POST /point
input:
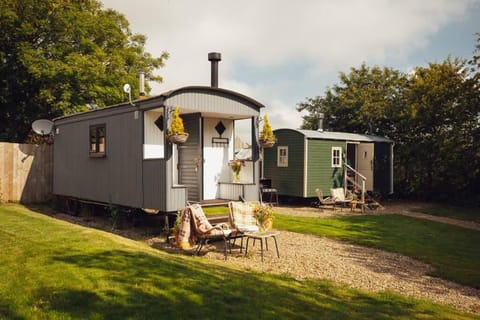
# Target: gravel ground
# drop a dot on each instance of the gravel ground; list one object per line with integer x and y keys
{"x": 307, "y": 256}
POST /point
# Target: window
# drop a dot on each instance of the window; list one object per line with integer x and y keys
{"x": 97, "y": 140}
{"x": 336, "y": 157}
{"x": 282, "y": 156}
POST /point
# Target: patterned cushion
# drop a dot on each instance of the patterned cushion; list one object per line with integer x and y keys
{"x": 242, "y": 217}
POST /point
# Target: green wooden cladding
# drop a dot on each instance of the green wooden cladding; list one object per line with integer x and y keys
{"x": 294, "y": 180}
{"x": 303, "y": 176}
{"x": 287, "y": 180}
{"x": 320, "y": 173}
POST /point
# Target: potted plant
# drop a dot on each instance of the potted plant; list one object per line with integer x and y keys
{"x": 267, "y": 137}
{"x": 176, "y": 227}
{"x": 176, "y": 133}
{"x": 236, "y": 166}
{"x": 264, "y": 215}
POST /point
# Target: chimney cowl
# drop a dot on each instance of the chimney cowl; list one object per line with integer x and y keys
{"x": 214, "y": 58}
{"x": 321, "y": 116}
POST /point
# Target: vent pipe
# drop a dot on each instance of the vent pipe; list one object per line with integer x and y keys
{"x": 141, "y": 79}
{"x": 214, "y": 58}
{"x": 321, "y": 116}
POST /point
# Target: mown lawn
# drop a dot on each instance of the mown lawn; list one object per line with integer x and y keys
{"x": 55, "y": 270}
{"x": 454, "y": 252}
{"x": 463, "y": 213}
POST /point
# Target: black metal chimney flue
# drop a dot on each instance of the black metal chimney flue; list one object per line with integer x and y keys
{"x": 214, "y": 58}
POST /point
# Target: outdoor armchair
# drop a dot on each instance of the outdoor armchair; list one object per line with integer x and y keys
{"x": 324, "y": 201}
{"x": 195, "y": 228}
{"x": 338, "y": 194}
{"x": 241, "y": 220}
{"x": 241, "y": 217}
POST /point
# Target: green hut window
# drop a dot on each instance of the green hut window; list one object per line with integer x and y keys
{"x": 282, "y": 156}
{"x": 336, "y": 157}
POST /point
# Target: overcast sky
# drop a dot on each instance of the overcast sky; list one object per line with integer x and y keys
{"x": 281, "y": 52}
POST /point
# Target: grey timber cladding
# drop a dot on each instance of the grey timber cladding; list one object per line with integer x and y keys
{"x": 115, "y": 178}
{"x": 154, "y": 184}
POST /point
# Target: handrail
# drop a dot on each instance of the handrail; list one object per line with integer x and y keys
{"x": 347, "y": 178}
{"x": 355, "y": 171}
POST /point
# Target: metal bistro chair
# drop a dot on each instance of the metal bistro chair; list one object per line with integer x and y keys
{"x": 266, "y": 189}
{"x": 324, "y": 201}
{"x": 342, "y": 199}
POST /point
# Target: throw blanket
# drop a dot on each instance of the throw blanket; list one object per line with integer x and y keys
{"x": 195, "y": 224}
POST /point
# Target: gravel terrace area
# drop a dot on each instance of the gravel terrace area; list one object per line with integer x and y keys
{"x": 307, "y": 256}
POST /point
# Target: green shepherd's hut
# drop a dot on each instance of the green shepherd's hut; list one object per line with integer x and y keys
{"x": 303, "y": 160}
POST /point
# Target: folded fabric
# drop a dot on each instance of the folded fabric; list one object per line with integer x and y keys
{"x": 196, "y": 225}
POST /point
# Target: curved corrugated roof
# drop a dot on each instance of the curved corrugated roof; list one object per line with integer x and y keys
{"x": 206, "y": 89}
{"x": 161, "y": 97}
{"x": 332, "y": 135}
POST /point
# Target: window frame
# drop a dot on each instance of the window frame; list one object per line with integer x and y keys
{"x": 282, "y": 160}
{"x": 96, "y": 129}
{"x": 336, "y": 157}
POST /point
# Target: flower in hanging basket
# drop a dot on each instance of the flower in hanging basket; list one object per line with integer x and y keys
{"x": 176, "y": 133}
{"x": 267, "y": 137}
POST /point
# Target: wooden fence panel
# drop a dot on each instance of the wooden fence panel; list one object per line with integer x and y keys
{"x": 26, "y": 172}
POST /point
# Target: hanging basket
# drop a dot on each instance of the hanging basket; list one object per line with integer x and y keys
{"x": 178, "y": 138}
{"x": 266, "y": 143}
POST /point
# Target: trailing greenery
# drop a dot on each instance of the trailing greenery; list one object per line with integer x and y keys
{"x": 55, "y": 270}
{"x": 57, "y": 56}
{"x": 453, "y": 251}
{"x": 432, "y": 114}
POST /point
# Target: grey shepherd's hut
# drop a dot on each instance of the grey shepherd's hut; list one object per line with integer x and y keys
{"x": 120, "y": 154}
{"x": 303, "y": 160}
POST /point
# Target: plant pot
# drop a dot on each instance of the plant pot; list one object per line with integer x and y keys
{"x": 178, "y": 138}
{"x": 266, "y": 143}
{"x": 266, "y": 225}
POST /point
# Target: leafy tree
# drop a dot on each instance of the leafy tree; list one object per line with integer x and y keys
{"x": 431, "y": 114}
{"x": 57, "y": 56}
{"x": 442, "y": 114}
{"x": 367, "y": 100}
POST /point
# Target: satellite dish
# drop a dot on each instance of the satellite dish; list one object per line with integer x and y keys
{"x": 128, "y": 90}
{"x": 42, "y": 126}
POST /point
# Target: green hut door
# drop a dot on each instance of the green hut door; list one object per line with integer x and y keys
{"x": 365, "y": 153}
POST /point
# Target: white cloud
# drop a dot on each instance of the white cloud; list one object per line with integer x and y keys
{"x": 329, "y": 36}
